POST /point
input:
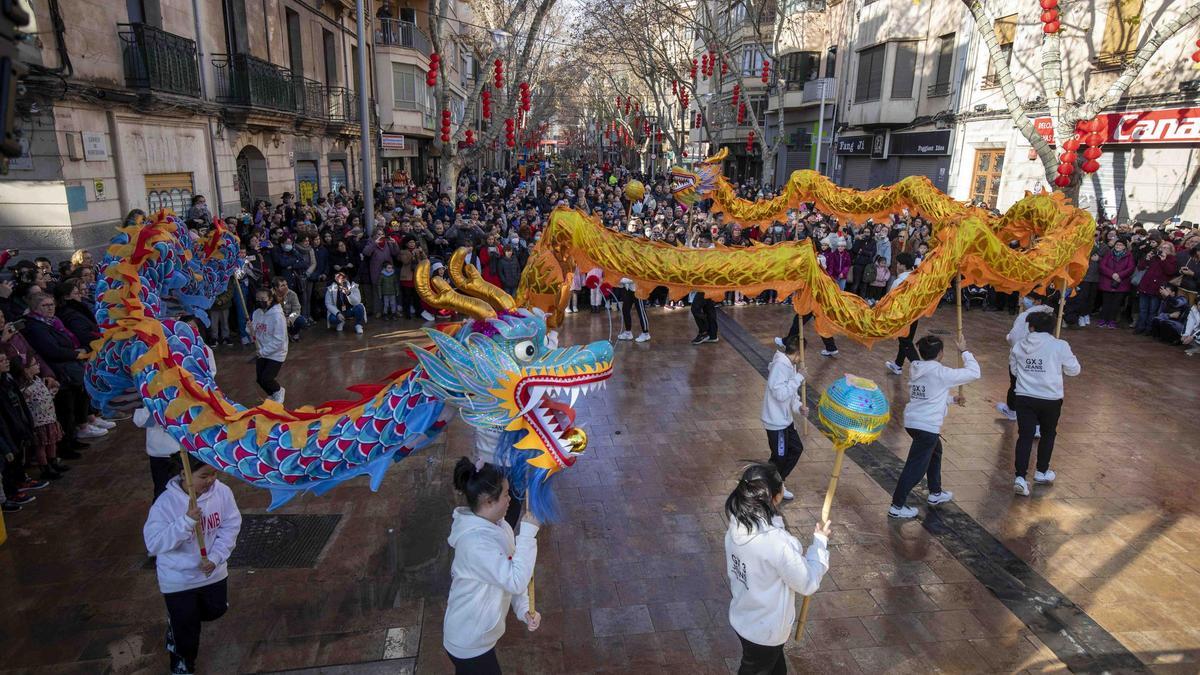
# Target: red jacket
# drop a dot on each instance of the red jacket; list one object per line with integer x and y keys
{"x": 1158, "y": 272}
{"x": 1122, "y": 267}
{"x": 837, "y": 263}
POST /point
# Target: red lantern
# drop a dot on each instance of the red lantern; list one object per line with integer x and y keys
{"x": 684, "y": 99}
{"x": 699, "y": 121}
{"x": 1067, "y": 157}
{"x": 431, "y": 76}
{"x": 1196, "y": 56}
{"x": 1051, "y": 28}
{"x": 1091, "y": 166}
{"x": 703, "y": 64}
{"x": 1092, "y": 153}
{"x": 693, "y": 70}
{"x": 766, "y": 72}
{"x": 1093, "y": 139}
{"x": 1071, "y": 144}
{"x": 470, "y": 137}
{"x": 1062, "y": 181}
{"x": 750, "y": 142}
{"x": 724, "y": 68}
{"x": 486, "y": 99}
{"x": 658, "y": 136}
{"x": 1049, "y": 4}
{"x": 499, "y": 73}
{"x": 1049, "y": 16}
{"x": 741, "y": 116}
{"x": 1065, "y": 169}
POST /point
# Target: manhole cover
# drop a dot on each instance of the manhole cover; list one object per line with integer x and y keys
{"x": 938, "y": 331}
{"x": 280, "y": 541}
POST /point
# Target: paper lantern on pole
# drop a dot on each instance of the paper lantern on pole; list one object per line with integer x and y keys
{"x": 432, "y": 75}
{"x": 766, "y": 71}
{"x": 635, "y": 190}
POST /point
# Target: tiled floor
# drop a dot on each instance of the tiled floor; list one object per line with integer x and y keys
{"x": 633, "y": 580}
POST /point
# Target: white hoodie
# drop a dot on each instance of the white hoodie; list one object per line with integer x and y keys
{"x": 270, "y": 333}
{"x": 1039, "y": 362}
{"x": 171, "y": 536}
{"x": 353, "y": 295}
{"x": 158, "y": 442}
{"x": 490, "y": 572}
{"x": 929, "y": 385}
{"x": 1021, "y": 324}
{"x": 782, "y": 397}
{"x": 766, "y": 569}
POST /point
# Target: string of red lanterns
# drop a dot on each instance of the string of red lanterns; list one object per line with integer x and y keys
{"x": 431, "y": 77}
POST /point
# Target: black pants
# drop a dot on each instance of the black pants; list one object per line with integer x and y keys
{"x": 1010, "y": 398}
{"x": 1111, "y": 304}
{"x": 628, "y": 302}
{"x": 515, "y": 506}
{"x": 1032, "y": 412}
{"x": 14, "y": 473}
{"x": 1088, "y": 293}
{"x": 704, "y": 311}
{"x": 786, "y": 447}
{"x": 484, "y": 664}
{"x": 410, "y": 301}
{"x": 761, "y": 659}
{"x": 829, "y": 343}
{"x": 906, "y": 349}
{"x": 265, "y": 372}
{"x": 924, "y": 459}
{"x": 71, "y": 409}
{"x": 186, "y": 610}
{"x": 161, "y": 472}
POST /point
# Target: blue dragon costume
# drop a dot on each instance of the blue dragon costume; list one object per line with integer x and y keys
{"x": 500, "y": 368}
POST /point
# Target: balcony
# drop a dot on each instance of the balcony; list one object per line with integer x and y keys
{"x": 938, "y": 89}
{"x": 311, "y": 98}
{"x": 244, "y": 80}
{"x": 343, "y": 106}
{"x": 990, "y": 81}
{"x": 801, "y": 93}
{"x": 156, "y": 60}
{"x": 815, "y": 90}
{"x": 397, "y": 33}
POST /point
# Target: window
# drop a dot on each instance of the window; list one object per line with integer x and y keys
{"x": 295, "y": 50}
{"x": 405, "y": 93}
{"x": 169, "y": 191}
{"x": 408, "y": 14}
{"x": 752, "y": 60}
{"x": 869, "y": 86}
{"x": 737, "y": 14}
{"x": 799, "y": 67}
{"x": 905, "y": 70}
{"x": 1006, "y": 34}
{"x": 1121, "y": 29}
{"x": 985, "y": 181}
{"x": 945, "y": 62}
{"x": 331, "y": 77}
{"x": 831, "y": 61}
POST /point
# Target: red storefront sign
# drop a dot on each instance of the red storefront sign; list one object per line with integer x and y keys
{"x": 1172, "y": 125}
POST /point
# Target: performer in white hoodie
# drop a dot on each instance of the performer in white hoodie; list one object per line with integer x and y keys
{"x": 929, "y": 386}
{"x": 490, "y": 572}
{"x": 1034, "y": 303}
{"x": 780, "y": 401}
{"x": 268, "y": 329}
{"x": 767, "y": 567}
{"x": 193, "y": 587}
{"x": 1039, "y": 360}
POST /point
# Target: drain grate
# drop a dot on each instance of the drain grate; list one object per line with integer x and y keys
{"x": 279, "y": 541}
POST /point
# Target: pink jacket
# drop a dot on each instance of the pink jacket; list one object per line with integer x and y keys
{"x": 837, "y": 263}
{"x": 1122, "y": 267}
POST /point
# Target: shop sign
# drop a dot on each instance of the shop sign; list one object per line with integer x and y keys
{"x": 854, "y": 145}
{"x": 94, "y": 147}
{"x": 925, "y": 143}
{"x": 393, "y": 141}
{"x": 1167, "y": 126}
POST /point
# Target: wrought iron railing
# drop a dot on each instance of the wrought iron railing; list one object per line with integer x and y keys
{"x": 159, "y": 61}
{"x": 242, "y": 79}
{"x": 311, "y": 97}
{"x": 343, "y": 105}
{"x": 815, "y": 89}
{"x": 397, "y": 33}
{"x": 939, "y": 89}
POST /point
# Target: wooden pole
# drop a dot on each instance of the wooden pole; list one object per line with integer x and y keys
{"x": 531, "y": 596}
{"x": 237, "y": 284}
{"x": 1062, "y": 304}
{"x": 958, "y": 307}
{"x": 833, "y": 483}
{"x": 187, "y": 480}
{"x": 804, "y": 384}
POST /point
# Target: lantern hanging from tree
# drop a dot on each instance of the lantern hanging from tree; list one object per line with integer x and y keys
{"x": 499, "y": 74}
{"x": 432, "y": 75}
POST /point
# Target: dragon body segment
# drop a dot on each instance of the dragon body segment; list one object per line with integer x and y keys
{"x": 503, "y": 371}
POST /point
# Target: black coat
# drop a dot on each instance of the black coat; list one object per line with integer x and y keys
{"x": 78, "y": 319}
{"x": 57, "y": 349}
{"x": 16, "y": 429}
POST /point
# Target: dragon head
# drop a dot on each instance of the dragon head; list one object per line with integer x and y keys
{"x": 688, "y": 187}
{"x": 505, "y": 371}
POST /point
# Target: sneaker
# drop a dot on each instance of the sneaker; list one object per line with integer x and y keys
{"x": 32, "y": 484}
{"x": 712, "y": 338}
{"x": 1045, "y": 478}
{"x": 699, "y": 339}
{"x": 624, "y": 335}
{"x": 902, "y": 512}
{"x": 644, "y": 337}
{"x": 102, "y": 423}
{"x": 1037, "y": 431}
{"x": 427, "y": 316}
{"x": 896, "y": 370}
{"x": 89, "y": 431}
{"x": 10, "y": 507}
{"x": 942, "y": 497}
{"x": 787, "y": 495}
{"x": 1192, "y": 351}
{"x": 245, "y": 340}
{"x": 358, "y": 329}
{"x": 341, "y": 326}
{"x": 22, "y": 499}
{"x": 780, "y": 343}
{"x": 1009, "y": 413}
{"x": 278, "y": 396}
{"x": 1021, "y": 487}
{"x": 58, "y": 465}
{"x": 826, "y": 352}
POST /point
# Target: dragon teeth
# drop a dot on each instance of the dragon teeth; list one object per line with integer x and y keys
{"x": 574, "y": 396}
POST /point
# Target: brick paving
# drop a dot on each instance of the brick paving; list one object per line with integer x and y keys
{"x": 633, "y": 580}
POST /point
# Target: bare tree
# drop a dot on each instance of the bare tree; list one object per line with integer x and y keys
{"x": 1066, "y": 114}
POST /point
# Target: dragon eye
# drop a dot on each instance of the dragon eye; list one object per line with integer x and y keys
{"x": 524, "y": 350}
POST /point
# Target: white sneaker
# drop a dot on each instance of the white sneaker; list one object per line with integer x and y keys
{"x": 779, "y": 343}
{"x": 1021, "y": 487}
{"x": 245, "y": 340}
{"x": 1045, "y": 478}
{"x": 825, "y": 352}
{"x": 902, "y": 512}
{"x": 787, "y": 495}
{"x": 341, "y": 326}
{"x": 896, "y": 370}
{"x": 624, "y": 335}
{"x": 278, "y": 396}
{"x": 940, "y": 497}
{"x": 1037, "y": 431}
{"x": 358, "y": 329}
{"x": 644, "y": 337}
{"x": 1008, "y": 413}
{"x": 427, "y": 316}
{"x": 89, "y": 431}
{"x": 102, "y": 423}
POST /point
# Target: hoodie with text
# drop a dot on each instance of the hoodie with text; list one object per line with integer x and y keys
{"x": 490, "y": 573}
{"x": 1039, "y": 362}
{"x": 171, "y": 535}
{"x": 929, "y": 385}
{"x": 767, "y": 568}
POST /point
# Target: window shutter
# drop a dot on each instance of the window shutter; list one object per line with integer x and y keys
{"x": 1121, "y": 29}
{"x": 905, "y": 70}
{"x": 945, "y": 58}
{"x": 876, "y": 81}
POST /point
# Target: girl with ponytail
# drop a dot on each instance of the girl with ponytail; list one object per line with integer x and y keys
{"x": 767, "y": 567}
{"x": 490, "y": 572}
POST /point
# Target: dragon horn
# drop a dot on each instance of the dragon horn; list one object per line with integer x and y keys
{"x": 437, "y": 293}
{"x": 468, "y": 279}
{"x": 719, "y": 157}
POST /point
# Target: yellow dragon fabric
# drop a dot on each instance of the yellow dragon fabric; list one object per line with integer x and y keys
{"x": 967, "y": 241}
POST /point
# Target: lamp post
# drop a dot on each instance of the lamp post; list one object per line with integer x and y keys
{"x": 364, "y": 122}
{"x": 653, "y": 120}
